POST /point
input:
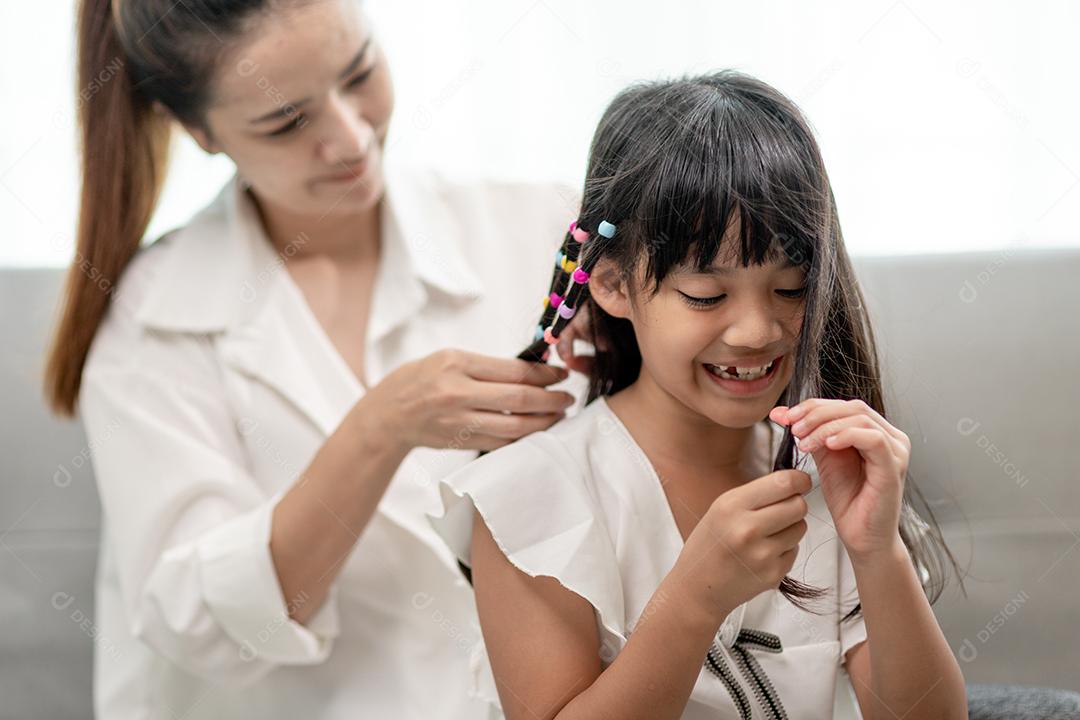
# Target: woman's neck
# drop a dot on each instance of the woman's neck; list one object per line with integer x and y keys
{"x": 343, "y": 238}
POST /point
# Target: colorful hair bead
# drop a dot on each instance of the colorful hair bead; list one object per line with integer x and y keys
{"x": 573, "y": 226}
{"x": 539, "y": 332}
{"x": 559, "y": 257}
{"x": 580, "y": 277}
{"x": 556, "y": 299}
{"x": 606, "y": 229}
{"x": 568, "y": 265}
{"x": 580, "y": 235}
{"x": 566, "y": 311}
{"x": 549, "y": 337}
{"x": 547, "y": 301}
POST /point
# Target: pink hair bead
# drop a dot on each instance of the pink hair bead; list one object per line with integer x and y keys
{"x": 549, "y": 338}
{"x": 566, "y": 312}
{"x": 579, "y": 235}
{"x": 573, "y": 225}
{"x": 556, "y": 299}
{"x": 580, "y": 276}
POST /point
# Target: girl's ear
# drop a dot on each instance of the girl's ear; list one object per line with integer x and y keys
{"x": 608, "y": 290}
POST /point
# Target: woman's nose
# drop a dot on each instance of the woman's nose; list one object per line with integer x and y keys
{"x": 344, "y": 136}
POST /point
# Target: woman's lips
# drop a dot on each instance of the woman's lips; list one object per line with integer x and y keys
{"x": 354, "y": 173}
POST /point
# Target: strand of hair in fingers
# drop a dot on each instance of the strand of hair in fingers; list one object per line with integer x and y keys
{"x": 569, "y": 287}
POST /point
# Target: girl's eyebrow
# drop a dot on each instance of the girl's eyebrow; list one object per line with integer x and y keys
{"x": 289, "y": 108}
{"x": 721, "y": 271}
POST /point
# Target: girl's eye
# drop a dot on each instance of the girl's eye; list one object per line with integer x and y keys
{"x": 794, "y": 294}
{"x": 701, "y": 302}
{"x": 298, "y": 121}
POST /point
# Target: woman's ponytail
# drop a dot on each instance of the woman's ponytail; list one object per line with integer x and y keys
{"x": 124, "y": 145}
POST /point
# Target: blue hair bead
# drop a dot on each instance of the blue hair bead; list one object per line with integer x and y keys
{"x": 606, "y": 229}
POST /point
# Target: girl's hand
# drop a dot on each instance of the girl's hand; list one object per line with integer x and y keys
{"x": 744, "y": 544}
{"x": 862, "y": 461}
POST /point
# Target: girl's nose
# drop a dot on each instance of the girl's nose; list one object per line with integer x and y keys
{"x": 344, "y": 136}
{"x": 753, "y": 326}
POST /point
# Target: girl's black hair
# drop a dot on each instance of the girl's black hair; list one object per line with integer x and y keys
{"x": 673, "y": 163}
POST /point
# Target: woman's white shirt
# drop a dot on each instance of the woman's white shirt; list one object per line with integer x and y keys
{"x": 209, "y": 388}
{"x": 581, "y": 502}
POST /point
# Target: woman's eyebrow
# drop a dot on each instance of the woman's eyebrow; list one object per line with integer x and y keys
{"x": 289, "y": 108}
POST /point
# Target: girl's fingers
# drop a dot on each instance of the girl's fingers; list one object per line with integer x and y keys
{"x": 774, "y": 518}
{"x": 871, "y": 443}
{"x": 820, "y": 410}
{"x": 790, "y": 536}
{"x": 817, "y": 438}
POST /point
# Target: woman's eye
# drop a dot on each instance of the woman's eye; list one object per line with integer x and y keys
{"x": 297, "y": 121}
{"x": 701, "y": 302}
{"x": 358, "y": 80}
{"x": 794, "y": 294}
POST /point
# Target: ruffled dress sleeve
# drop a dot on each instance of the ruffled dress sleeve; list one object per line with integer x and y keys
{"x": 537, "y": 502}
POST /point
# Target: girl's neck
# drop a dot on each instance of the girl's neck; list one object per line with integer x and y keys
{"x": 680, "y": 442}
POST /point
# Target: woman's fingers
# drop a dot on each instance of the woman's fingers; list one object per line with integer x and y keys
{"x": 504, "y": 370}
{"x": 565, "y": 349}
{"x": 501, "y": 428}
{"x": 514, "y": 398}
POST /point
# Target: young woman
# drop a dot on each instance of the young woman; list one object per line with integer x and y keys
{"x": 271, "y": 391}
{"x": 666, "y": 553}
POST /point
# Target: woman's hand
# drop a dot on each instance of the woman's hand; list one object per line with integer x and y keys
{"x": 463, "y": 400}
{"x": 862, "y": 461}
{"x": 579, "y": 329}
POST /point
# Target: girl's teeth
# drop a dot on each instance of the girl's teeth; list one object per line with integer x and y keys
{"x": 742, "y": 373}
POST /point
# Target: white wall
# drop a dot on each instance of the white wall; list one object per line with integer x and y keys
{"x": 945, "y": 126}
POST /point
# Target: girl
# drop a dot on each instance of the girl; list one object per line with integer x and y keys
{"x": 270, "y": 392}
{"x": 670, "y": 551}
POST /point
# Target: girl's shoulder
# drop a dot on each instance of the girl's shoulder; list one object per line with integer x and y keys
{"x": 537, "y": 498}
{"x": 549, "y": 464}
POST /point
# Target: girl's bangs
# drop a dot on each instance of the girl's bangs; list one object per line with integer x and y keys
{"x": 730, "y": 190}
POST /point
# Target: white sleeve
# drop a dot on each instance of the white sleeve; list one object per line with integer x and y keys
{"x": 853, "y": 630}
{"x": 188, "y": 525}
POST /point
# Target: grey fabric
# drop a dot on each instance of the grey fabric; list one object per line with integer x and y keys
{"x": 1000, "y": 702}
{"x": 980, "y": 353}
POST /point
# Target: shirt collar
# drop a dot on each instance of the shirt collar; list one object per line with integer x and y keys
{"x": 217, "y": 266}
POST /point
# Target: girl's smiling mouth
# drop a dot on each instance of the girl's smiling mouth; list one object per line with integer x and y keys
{"x": 744, "y": 380}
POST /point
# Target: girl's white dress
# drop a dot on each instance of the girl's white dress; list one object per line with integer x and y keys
{"x": 581, "y": 502}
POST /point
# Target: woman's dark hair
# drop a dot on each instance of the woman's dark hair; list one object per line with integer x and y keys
{"x": 672, "y": 165}
{"x": 141, "y": 63}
